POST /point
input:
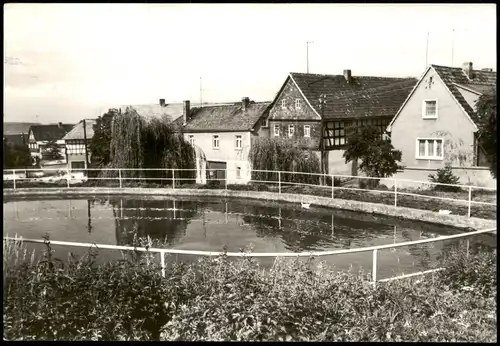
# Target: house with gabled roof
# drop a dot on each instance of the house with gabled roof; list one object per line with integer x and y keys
{"x": 77, "y": 143}
{"x": 224, "y": 133}
{"x": 40, "y": 135}
{"x": 318, "y": 111}
{"x": 437, "y": 123}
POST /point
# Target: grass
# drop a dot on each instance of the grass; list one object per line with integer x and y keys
{"x": 221, "y": 299}
{"x": 377, "y": 195}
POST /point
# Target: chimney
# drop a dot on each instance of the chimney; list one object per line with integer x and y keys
{"x": 186, "y": 111}
{"x": 162, "y": 102}
{"x": 59, "y": 125}
{"x": 347, "y": 75}
{"x": 245, "y": 101}
{"x": 467, "y": 68}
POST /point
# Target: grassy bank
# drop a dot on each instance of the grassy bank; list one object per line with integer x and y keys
{"x": 218, "y": 299}
{"x": 377, "y": 195}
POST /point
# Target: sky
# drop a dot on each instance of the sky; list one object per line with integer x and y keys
{"x": 66, "y": 62}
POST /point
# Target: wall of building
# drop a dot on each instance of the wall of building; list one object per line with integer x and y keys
{"x": 227, "y": 152}
{"x": 75, "y": 158}
{"x": 452, "y": 125}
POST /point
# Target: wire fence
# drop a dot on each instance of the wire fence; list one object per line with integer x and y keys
{"x": 449, "y": 198}
{"x": 374, "y": 250}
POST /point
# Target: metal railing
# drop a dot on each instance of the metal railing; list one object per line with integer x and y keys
{"x": 177, "y": 177}
{"x": 373, "y": 249}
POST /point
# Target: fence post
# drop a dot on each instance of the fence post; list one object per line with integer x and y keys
{"x": 374, "y": 267}
{"x": 120, "y": 177}
{"x": 162, "y": 254}
{"x": 395, "y": 193}
{"x": 69, "y": 176}
{"x": 333, "y": 178}
{"x": 279, "y": 182}
{"x": 14, "y": 177}
{"x": 467, "y": 247}
{"x": 173, "y": 178}
{"x": 470, "y": 201}
{"x": 225, "y": 180}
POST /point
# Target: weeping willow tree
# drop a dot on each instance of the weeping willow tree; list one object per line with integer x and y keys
{"x": 137, "y": 142}
{"x": 283, "y": 155}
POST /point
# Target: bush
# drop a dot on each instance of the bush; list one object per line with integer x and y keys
{"x": 213, "y": 184}
{"x": 222, "y": 299}
{"x": 445, "y": 176}
{"x": 368, "y": 184}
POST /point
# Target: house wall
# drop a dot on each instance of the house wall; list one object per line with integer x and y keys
{"x": 75, "y": 158}
{"x": 452, "y": 125}
{"x": 311, "y": 142}
{"x": 470, "y": 97}
{"x": 227, "y": 152}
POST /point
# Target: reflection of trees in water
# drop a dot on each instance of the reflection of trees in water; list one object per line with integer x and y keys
{"x": 137, "y": 217}
{"x": 309, "y": 231}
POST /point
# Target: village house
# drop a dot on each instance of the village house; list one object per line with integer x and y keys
{"x": 318, "y": 111}
{"x": 224, "y": 133}
{"x": 16, "y": 133}
{"x": 437, "y": 124}
{"x": 77, "y": 143}
{"x": 40, "y": 135}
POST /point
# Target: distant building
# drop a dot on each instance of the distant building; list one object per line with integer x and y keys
{"x": 40, "y": 135}
{"x": 224, "y": 133}
{"x": 318, "y": 111}
{"x": 438, "y": 123}
{"x": 75, "y": 140}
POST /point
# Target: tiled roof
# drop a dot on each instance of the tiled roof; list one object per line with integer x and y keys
{"x": 481, "y": 80}
{"x": 169, "y": 112}
{"x": 77, "y": 131}
{"x": 225, "y": 118}
{"x": 361, "y": 97}
{"x": 52, "y": 132}
{"x": 14, "y": 128}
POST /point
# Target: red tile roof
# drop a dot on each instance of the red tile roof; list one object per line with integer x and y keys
{"x": 224, "y": 118}
{"x": 361, "y": 97}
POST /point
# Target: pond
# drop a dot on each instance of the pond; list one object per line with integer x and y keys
{"x": 210, "y": 224}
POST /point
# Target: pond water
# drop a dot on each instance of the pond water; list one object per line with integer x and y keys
{"x": 212, "y": 224}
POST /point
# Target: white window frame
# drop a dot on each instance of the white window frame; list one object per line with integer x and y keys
{"x": 283, "y": 104}
{"x": 215, "y": 140}
{"x": 307, "y": 130}
{"x": 238, "y": 138}
{"x": 297, "y": 104}
{"x": 427, "y": 156}
{"x": 191, "y": 139}
{"x": 424, "y": 109}
{"x": 276, "y": 129}
{"x": 291, "y": 130}
{"x": 265, "y": 122}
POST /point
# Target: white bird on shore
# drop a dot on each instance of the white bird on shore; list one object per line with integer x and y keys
{"x": 305, "y": 205}
{"x": 444, "y": 212}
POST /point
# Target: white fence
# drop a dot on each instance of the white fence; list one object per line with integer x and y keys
{"x": 177, "y": 177}
{"x": 373, "y": 249}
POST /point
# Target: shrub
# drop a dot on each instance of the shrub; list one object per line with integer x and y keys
{"x": 445, "y": 176}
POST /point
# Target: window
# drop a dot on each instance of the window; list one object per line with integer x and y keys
{"x": 276, "y": 130}
{"x": 334, "y": 134}
{"x": 78, "y": 165}
{"x": 238, "y": 172}
{"x": 307, "y": 130}
{"x": 215, "y": 141}
{"x": 265, "y": 122}
{"x": 283, "y": 104}
{"x": 430, "y": 149}
{"x": 297, "y": 104}
{"x": 191, "y": 140}
{"x": 429, "y": 109}
{"x": 291, "y": 130}
{"x": 239, "y": 142}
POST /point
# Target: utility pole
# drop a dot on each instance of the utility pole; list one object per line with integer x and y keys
{"x": 307, "y": 54}
{"x": 452, "y": 45}
{"x": 427, "y": 50}
{"x": 201, "y": 94}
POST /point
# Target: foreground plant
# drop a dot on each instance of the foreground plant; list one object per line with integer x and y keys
{"x": 225, "y": 299}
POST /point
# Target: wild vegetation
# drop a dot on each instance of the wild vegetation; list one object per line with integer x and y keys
{"x": 15, "y": 156}
{"x": 52, "y": 151}
{"x": 222, "y": 299}
{"x": 283, "y": 155}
